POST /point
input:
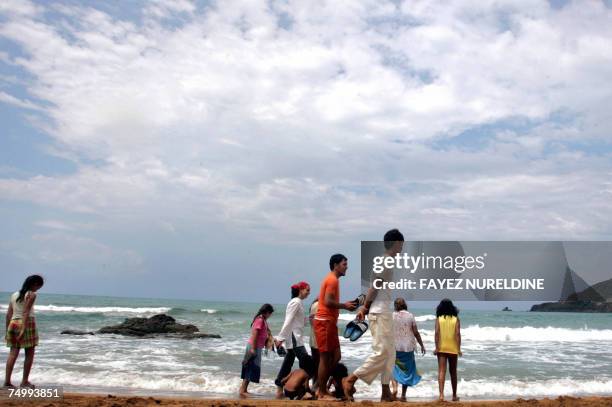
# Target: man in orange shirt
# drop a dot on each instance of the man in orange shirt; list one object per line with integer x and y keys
{"x": 326, "y": 322}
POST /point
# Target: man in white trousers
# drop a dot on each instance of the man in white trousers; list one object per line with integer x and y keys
{"x": 378, "y": 307}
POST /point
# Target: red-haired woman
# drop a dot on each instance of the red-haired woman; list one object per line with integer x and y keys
{"x": 291, "y": 335}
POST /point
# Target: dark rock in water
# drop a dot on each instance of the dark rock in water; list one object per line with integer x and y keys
{"x": 198, "y": 335}
{"x": 595, "y": 298}
{"x": 73, "y": 332}
{"x": 573, "y": 306}
{"x": 157, "y": 324}
{"x": 506, "y": 309}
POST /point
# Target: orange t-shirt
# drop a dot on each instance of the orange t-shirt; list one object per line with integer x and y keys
{"x": 330, "y": 285}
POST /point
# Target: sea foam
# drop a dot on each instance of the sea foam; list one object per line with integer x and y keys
{"x": 224, "y": 383}
{"x": 534, "y": 334}
{"x": 92, "y": 310}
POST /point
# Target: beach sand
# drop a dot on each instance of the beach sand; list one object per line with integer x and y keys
{"x": 80, "y": 400}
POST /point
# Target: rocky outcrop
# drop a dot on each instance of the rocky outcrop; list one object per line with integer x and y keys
{"x": 573, "y": 306}
{"x": 74, "y": 332}
{"x": 149, "y": 327}
{"x": 596, "y": 298}
{"x": 157, "y": 324}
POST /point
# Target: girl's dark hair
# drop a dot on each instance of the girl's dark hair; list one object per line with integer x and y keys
{"x": 446, "y": 308}
{"x": 265, "y": 309}
{"x": 295, "y": 291}
{"x": 297, "y": 287}
{"x": 30, "y": 282}
{"x": 400, "y": 304}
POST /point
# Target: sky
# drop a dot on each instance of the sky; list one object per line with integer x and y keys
{"x": 224, "y": 150}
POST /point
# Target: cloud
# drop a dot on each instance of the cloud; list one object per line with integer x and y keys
{"x": 64, "y": 248}
{"x": 12, "y": 100}
{"x": 317, "y": 121}
{"x": 53, "y": 224}
{"x": 16, "y": 8}
{"x": 162, "y": 8}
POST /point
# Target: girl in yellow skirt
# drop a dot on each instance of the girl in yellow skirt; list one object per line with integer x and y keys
{"x": 448, "y": 344}
{"x": 21, "y": 329}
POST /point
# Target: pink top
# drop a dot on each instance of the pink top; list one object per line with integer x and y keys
{"x": 262, "y": 332}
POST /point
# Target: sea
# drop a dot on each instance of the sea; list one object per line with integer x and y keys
{"x": 506, "y": 355}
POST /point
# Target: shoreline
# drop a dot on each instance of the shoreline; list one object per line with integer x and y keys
{"x": 111, "y": 400}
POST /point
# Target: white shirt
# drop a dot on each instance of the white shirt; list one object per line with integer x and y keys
{"x": 383, "y": 303}
{"x": 313, "y": 339}
{"x": 19, "y": 306}
{"x": 404, "y": 324}
{"x": 294, "y": 324}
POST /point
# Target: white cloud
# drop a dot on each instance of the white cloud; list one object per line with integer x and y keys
{"x": 53, "y": 224}
{"x": 17, "y": 8}
{"x": 324, "y": 125}
{"x": 12, "y": 100}
{"x": 64, "y": 248}
{"x": 61, "y": 247}
{"x": 162, "y": 8}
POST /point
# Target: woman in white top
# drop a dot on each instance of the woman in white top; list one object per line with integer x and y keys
{"x": 314, "y": 348}
{"x": 406, "y": 336}
{"x": 21, "y": 329}
{"x": 291, "y": 335}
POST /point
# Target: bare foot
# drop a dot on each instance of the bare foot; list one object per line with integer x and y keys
{"x": 455, "y": 398}
{"x": 326, "y": 397}
{"x": 349, "y": 389}
{"x": 403, "y": 398}
{"x": 27, "y": 385}
{"x": 8, "y": 386}
{"x": 279, "y": 393}
{"x": 387, "y": 394}
{"x": 441, "y": 398}
{"x": 245, "y": 395}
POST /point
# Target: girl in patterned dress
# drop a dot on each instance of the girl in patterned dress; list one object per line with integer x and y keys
{"x": 21, "y": 329}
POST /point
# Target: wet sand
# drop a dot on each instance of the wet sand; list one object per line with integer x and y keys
{"x": 80, "y": 400}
